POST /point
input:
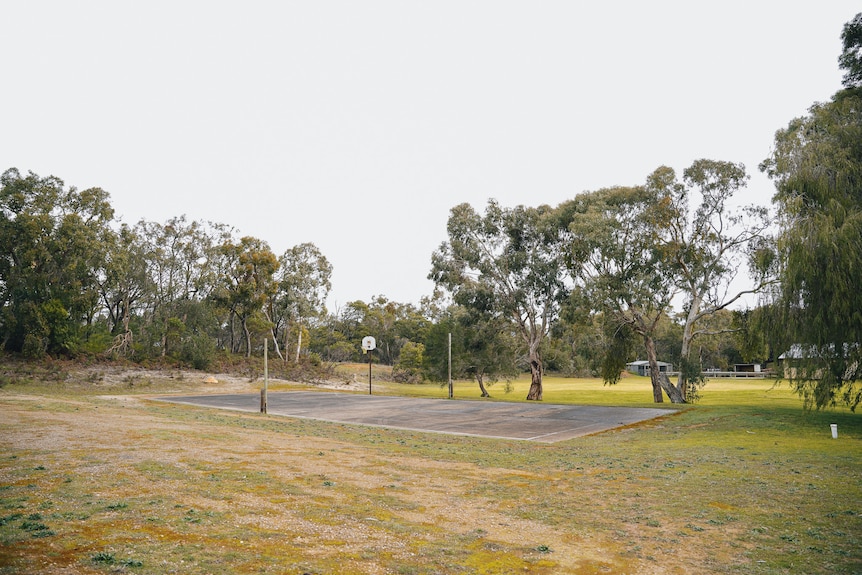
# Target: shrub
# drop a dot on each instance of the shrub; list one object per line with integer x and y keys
{"x": 198, "y": 351}
{"x": 34, "y": 347}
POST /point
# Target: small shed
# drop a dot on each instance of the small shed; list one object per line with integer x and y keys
{"x": 641, "y": 367}
{"x": 747, "y": 368}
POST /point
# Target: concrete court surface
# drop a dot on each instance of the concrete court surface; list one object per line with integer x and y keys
{"x": 541, "y": 422}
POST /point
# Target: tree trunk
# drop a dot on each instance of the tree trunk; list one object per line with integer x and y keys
{"x": 649, "y": 344}
{"x": 659, "y": 380}
{"x": 247, "y": 337}
{"x": 232, "y": 326}
{"x": 275, "y": 344}
{"x": 674, "y": 393}
{"x": 298, "y": 341}
{"x": 479, "y": 378}
{"x": 687, "y": 337}
{"x": 286, "y": 340}
{"x": 536, "y": 376}
{"x": 164, "y": 339}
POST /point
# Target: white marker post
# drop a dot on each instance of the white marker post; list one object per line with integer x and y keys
{"x": 368, "y": 345}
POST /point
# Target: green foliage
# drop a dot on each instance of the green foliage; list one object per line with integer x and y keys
{"x": 692, "y": 378}
{"x": 342, "y": 351}
{"x": 198, "y": 351}
{"x": 304, "y": 281}
{"x": 613, "y": 238}
{"x": 483, "y": 346}
{"x": 636, "y": 248}
{"x": 706, "y": 246}
{"x": 750, "y": 334}
{"x": 817, "y": 169}
{"x": 392, "y": 324}
{"x": 33, "y": 348}
{"x": 246, "y": 284}
{"x": 850, "y": 59}
{"x": 436, "y": 356}
{"x": 507, "y": 263}
{"x": 410, "y": 365}
{"x": 52, "y": 249}
{"x": 618, "y": 342}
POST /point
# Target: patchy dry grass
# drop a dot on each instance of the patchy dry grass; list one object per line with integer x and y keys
{"x": 94, "y": 478}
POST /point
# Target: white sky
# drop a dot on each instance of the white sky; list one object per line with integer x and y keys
{"x": 357, "y": 125}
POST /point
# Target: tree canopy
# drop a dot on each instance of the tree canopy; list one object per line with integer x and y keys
{"x": 52, "y": 253}
{"x": 614, "y": 247}
{"x": 510, "y": 260}
{"x": 708, "y": 246}
{"x": 850, "y": 59}
{"x": 816, "y": 165}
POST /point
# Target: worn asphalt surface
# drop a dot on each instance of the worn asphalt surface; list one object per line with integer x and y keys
{"x": 541, "y": 422}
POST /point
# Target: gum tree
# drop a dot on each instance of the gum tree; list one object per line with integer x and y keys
{"x": 707, "y": 246}
{"x": 637, "y": 248}
{"x": 303, "y": 286}
{"x": 246, "y": 284}
{"x": 178, "y": 256}
{"x": 613, "y": 247}
{"x": 52, "y": 253}
{"x": 483, "y": 346}
{"x": 514, "y": 253}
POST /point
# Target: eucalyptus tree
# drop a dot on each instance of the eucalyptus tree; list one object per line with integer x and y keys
{"x": 514, "y": 254}
{"x": 392, "y": 324}
{"x": 181, "y": 259}
{"x": 247, "y": 283}
{"x": 303, "y": 285}
{"x": 613, "y": 238}
{"x": 708, "y": 246}
{"x": 816, "y": 165}
{"x": 125, "y": 285}
{"x": 52, "y": 253}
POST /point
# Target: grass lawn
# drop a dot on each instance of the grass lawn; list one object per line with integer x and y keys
{"x": 94, "y": 478}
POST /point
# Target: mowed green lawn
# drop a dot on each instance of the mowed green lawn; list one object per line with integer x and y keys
{"x": 632, "y": 391}
{"x": 745, "y": 481}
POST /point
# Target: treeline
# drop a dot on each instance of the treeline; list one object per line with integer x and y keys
{"x": 75, "y": 281}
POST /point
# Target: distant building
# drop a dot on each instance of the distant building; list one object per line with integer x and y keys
{"x": 641, "y": 367}
{"x": 747, "y": 368}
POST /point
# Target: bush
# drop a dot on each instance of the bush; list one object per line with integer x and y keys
{"x": 198, "y": 351}
{"x": 402, "y": 375}
{"x": 409, "y": 368}
{"x": 34, "y": 347}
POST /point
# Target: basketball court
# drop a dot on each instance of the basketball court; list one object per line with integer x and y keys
{"x": 540, "y": 422}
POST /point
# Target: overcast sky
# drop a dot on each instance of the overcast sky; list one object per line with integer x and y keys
{"x": 357, "y": 125}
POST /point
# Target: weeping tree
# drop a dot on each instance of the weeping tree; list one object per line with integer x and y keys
{"x": 816, "y": 165}
{"x": 514, "y": 254}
